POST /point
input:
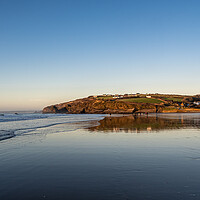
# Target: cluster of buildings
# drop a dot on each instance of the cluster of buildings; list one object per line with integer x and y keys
{"x": 185, "y": 103}
{"x": 189, "y": 104}
{"x": 117, "y": 96}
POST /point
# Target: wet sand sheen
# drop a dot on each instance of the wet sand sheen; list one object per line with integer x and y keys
{"x": 154, "y": 122}
{"x": 107, "y": 161}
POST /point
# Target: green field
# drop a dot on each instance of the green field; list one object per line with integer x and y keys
{"x": 142, "y": 100}
{"x": 174, "y": 99}
{"x": 107, "y": 97}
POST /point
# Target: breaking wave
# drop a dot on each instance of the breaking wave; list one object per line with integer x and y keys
{"x": 6, "y": 134}
{"x": 12, "y": 125}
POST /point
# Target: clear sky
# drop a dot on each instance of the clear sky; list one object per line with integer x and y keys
{"x": 52, "y": 51}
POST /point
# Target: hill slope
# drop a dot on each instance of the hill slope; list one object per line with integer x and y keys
{"x": 126, "y": 104}
{"x": 99, "y": 106}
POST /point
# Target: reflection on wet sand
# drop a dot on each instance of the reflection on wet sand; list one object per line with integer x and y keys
{"x": 144, "y": 123}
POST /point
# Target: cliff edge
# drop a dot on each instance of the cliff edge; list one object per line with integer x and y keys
{"x": 99, "y": 106}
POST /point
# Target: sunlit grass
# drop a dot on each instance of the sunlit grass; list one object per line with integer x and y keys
{"x": 107, "y": 97}
{"x": 142, "y": 100}
{"x": 174, "y": 99}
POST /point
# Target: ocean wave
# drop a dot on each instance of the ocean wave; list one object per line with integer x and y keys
{"x": 21, "y": 117}
{"x": 38, "y": 123}
{"x": 4, "y": 134}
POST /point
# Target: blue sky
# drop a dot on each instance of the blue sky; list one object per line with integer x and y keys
{"x": 55, "y": 51}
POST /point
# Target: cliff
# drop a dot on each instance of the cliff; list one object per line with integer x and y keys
{"x": 100, "y": 106}
{"x": 128, "y": 103}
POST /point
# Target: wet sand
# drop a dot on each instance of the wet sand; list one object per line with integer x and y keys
{"x": 118, "y": 158}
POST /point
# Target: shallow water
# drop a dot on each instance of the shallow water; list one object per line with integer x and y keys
{"x": 74, "y": 157}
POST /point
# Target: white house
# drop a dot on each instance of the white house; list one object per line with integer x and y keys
{"x": 148, "y": 96}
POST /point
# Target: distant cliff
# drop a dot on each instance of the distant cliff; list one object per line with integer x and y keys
{"x": 128, "y": 103}
{"x": 99, "y": 106}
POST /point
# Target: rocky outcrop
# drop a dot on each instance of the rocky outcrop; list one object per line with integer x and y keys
{"x": 98, "y": 106}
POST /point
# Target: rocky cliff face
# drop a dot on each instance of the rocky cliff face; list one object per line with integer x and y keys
{"x": 98, "y": 106}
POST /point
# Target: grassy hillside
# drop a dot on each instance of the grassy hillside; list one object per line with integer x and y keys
{"x": 174, "y": 99}
{"x": 142, "y": 100}
{"x": 127, "y": 104}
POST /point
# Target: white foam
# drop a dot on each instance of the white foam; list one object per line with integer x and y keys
{"x": 12, "y": 125}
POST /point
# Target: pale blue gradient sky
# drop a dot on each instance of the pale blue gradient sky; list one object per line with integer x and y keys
{"x": 55, "y": 51}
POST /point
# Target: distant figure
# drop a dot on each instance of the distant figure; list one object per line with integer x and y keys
{"x": 110, "y": 114}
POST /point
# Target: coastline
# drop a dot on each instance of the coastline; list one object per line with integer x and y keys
{"x": 156, "y": 103}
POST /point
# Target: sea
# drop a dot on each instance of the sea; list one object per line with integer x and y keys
{"x": 99, "y": 157}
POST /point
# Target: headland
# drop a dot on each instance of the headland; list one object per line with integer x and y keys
{"x": 128, "y": 104}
